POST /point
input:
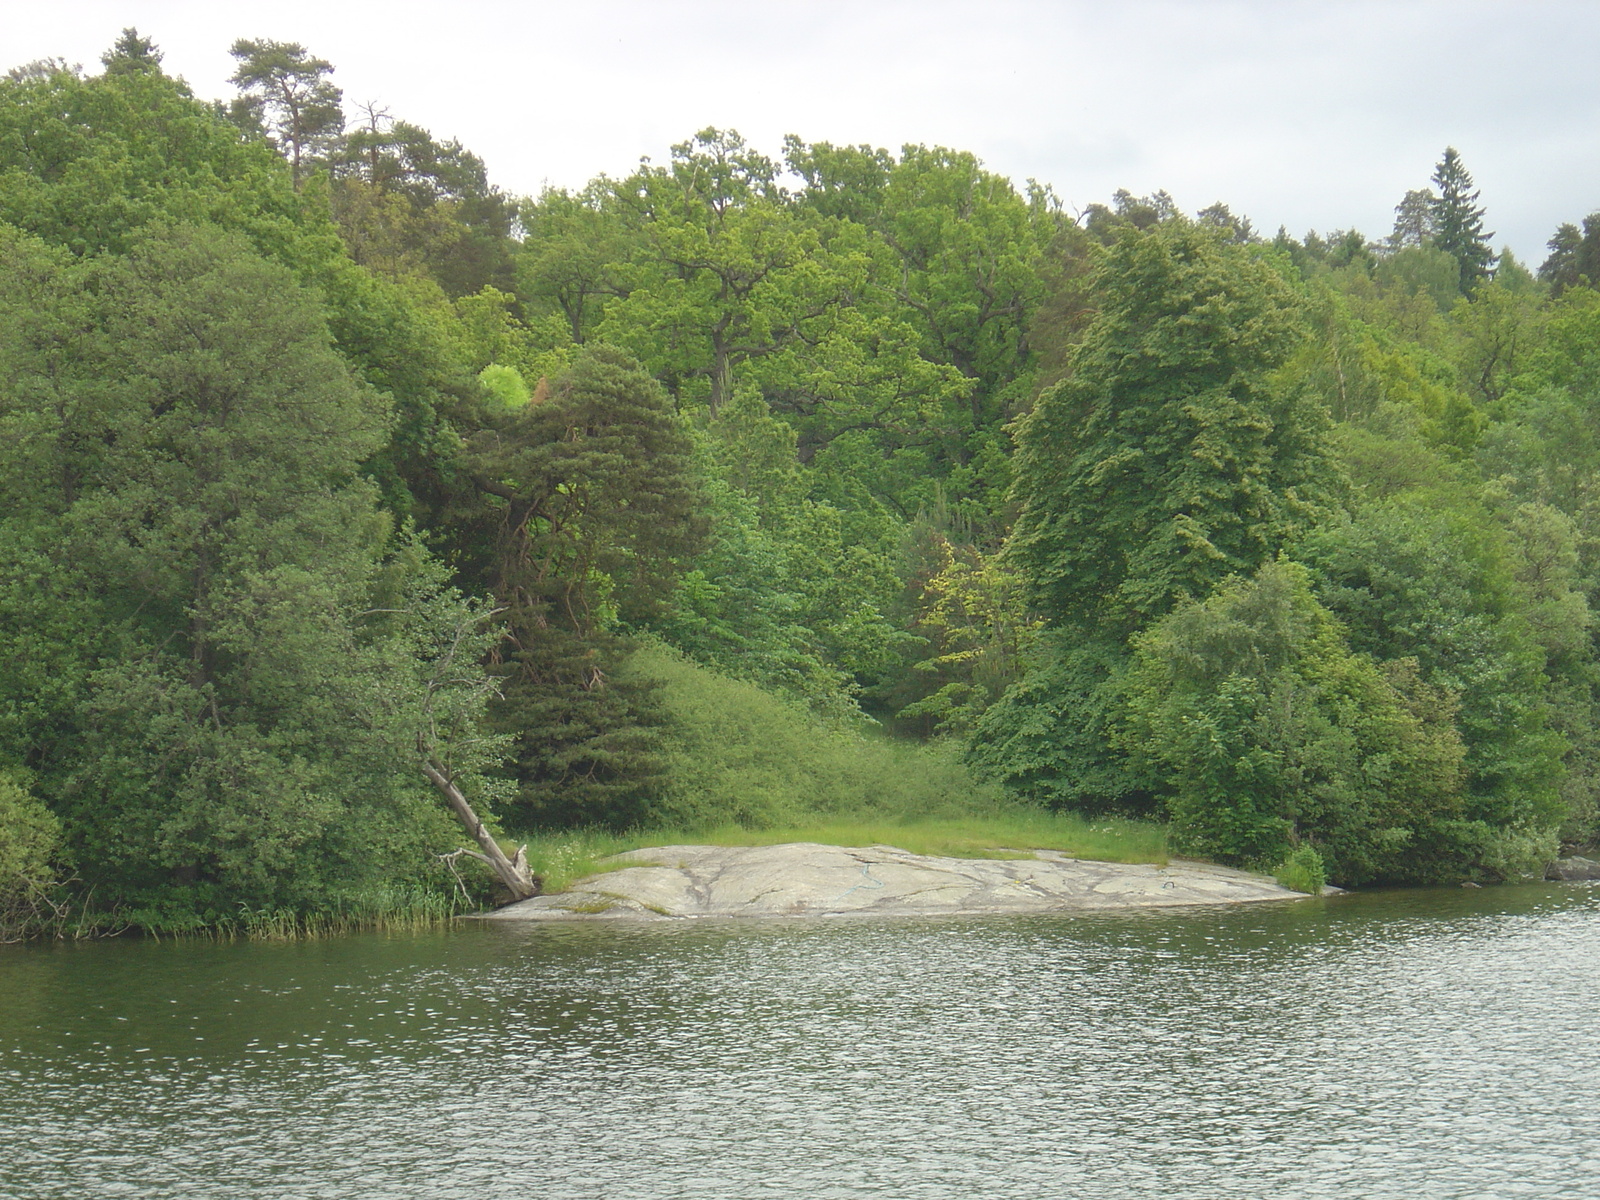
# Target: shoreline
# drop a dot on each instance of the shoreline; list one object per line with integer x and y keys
{"x": 806, "y": 879}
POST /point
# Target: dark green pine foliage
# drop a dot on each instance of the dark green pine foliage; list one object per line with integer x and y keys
{"x": 591, "y": 505}
{"x": 287, "y": 94}
{"x": 1574, "y": 256}
{"x": 1173, "y": 456}
{"x": 1458, "y": 221}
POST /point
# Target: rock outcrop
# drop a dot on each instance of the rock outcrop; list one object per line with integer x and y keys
{"x": 1574, "y": 868}
{"x": 806, "y": 880}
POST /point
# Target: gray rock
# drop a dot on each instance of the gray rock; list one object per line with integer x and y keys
{"x": 805, "y": 879}
{"x": 1574, "y": 868}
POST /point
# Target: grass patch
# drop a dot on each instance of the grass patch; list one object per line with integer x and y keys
{"x": 1303, "y": 871}
{"x": 750, "y": 768}
{"x": 995, "y": 836}
{"x": 562, "y": 858}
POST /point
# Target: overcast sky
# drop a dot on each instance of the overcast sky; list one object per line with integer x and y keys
{"x": 1307, "y": 114}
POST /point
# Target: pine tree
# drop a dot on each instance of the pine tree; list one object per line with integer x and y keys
{"x": 1574, "y": 256}
{"x": 590, "y": 499}
{"x": 1458, "y": 221}
{"x": 288, "y": 95}
{"x": 1413, "y": 220}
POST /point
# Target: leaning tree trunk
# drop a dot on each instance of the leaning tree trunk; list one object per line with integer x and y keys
{"x": 513, "y": 872}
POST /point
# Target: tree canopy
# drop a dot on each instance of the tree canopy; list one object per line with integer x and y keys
{"x": 356, "y": 516}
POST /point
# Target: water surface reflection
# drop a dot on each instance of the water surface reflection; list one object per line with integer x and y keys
{"x": 1385, "y": 1045}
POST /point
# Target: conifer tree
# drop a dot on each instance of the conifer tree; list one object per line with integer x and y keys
{"x": 287, "y": 94}
{"x": 1413, "y": 220}
{"x": 1458, "y": 221}
{"x": 130, "y": 52}
{"x": 589, "y": 504}
{"x": 1574, "y": 259}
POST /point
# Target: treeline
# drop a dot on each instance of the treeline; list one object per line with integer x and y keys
{"x": 334, "y": 479}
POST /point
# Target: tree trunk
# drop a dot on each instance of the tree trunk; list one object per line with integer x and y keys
{"x": 513, "y": 872}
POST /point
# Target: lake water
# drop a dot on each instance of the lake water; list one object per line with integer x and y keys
{"x": 1405, "y": 1044}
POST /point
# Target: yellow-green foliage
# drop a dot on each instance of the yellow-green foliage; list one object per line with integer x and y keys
{"x": 558, "y": 858}
{"x": 1303, "y": 871}
{"x": 743, "y": 756}
{"x": 1011, "y": 832}
{"x": 29, "y": 835}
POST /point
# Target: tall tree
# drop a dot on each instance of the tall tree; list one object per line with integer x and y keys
{"x": 454, "y": 221}
{"x": 1413, "y": 220}
{"x": 287, "y": 93}
{"x": 588, "y": 505}
{"x": 1574, "y": 259}
{"x": 130, "y": 52}
{"x": 1174, "y": 455}
{"x": 178, "y": 454}
{"x": 1458, "y": 221}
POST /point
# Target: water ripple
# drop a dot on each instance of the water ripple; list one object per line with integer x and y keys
{"x": 1401, "y": 1045}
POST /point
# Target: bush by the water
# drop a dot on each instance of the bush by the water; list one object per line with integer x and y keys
{"x": 1303, "y": 871}
{"x": 30, "y": 837}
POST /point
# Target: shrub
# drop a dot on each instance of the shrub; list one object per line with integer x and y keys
{"x": 1302, "y": 871}
{"x": 30, "y": 836}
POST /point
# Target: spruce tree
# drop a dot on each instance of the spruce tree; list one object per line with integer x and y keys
{"x": 1458, "y": 221}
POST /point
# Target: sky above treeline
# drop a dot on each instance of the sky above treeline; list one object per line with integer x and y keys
{"x": 1312, "y": 114}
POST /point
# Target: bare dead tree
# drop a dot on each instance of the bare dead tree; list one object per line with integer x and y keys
{"x": 455, "y": 693}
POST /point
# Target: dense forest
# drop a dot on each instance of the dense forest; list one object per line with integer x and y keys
{"x": 346, "y": 500}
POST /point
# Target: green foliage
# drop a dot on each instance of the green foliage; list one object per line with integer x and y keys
{"x": 1517, "y": 855}
{"x": 1174, "y": 455}
{"x": 231, "y": 731}
{"x": 1051, "y": 737}
{"x": 740, "y": 754}
{"x": 241, "y": 394}
{"x": 585, "y": 502}
{"x": 506, "y": 385}
{"x": 1574, "y": 259}
{"x": 288, "y": 93}
{"x": 83, "y": 162}
{"x": 30, "y": 839}
{"x": 792, "y": 591}
{"x": 1303, "y": 871}
{"x": 1424, "y": 270}
{"x": 1273, "y": 732}
{"x": 1431, "y": 576}
{"x": 971, "y": 613}
{"x": 1458, "y": 222}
